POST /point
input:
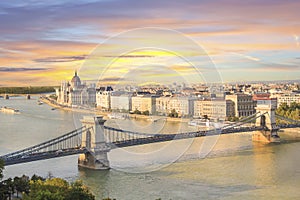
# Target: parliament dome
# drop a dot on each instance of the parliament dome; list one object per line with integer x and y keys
{"x": 75, "y": 80}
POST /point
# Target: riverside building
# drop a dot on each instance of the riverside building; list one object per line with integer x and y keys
{"x": 210, "y": 108}
{"x": 243, "y": 104}
{"x": 75, "y": 93}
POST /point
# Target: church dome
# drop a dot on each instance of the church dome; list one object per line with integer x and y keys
{"x": 75, "y": 80}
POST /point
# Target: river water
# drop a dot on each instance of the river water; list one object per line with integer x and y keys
{"x": 215, "y": 167}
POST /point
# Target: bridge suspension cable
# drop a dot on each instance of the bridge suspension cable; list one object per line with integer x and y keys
{"x": 287, "y": 119}
{"x": 61, "y": 142}
{"x": 244, "y": 121}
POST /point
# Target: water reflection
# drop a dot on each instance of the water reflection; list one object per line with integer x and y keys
{"x": 264, "y": 164}
{"x": 235, "y": 168}
{"x": 99, "y": 181}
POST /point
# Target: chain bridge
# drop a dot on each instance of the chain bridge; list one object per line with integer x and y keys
{"x": 94, "y": 140}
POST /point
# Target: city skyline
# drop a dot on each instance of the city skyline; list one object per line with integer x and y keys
{"x": 42, "y": 43}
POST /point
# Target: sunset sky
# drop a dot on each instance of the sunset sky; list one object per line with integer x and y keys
{"x": 44, "y": 42}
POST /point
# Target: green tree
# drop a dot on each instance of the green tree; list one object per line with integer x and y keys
{"x": 5, "y": 186}
{"x": 146, "y": 112}
{"x": 233, "y": 119}
{"x": 9, "y": 187}
{"x": 284, "y": 106}
{"x": 292, "y": 111}
{"x": 173, "y": 113}
{"x": 295, "y": 114}
{"x": 1, "y": 168}
{"x": 293, "y": 106}
{"x": 137, "y": 112}
{"x": 40, "y": 191}
{"x": 27, "y": 90}
{"x": 36, "y": 178}
{"x": 57, "y": 189}
{"x": 50, "y": 189}
{"x": 77, "y": 192}
{"x": 21, "y": 184}
{"x": 53, "y": 96}
{"x": 4, "y": 194}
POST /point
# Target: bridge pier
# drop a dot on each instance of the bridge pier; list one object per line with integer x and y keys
{"x": 265, "y": 136}
{"x": 267, "y": 120}
{"x": 94, "y": 141}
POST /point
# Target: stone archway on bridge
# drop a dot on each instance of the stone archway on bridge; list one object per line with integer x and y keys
{"x": 263, "y": 121}
{"x": 266, "y": 108}
{"x": 94, "y": 141}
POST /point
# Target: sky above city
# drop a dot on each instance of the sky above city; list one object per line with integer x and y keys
{"x": 122, "y": 41}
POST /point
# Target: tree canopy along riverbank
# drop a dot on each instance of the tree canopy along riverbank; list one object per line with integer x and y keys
{"x": 27, "y": 90}
{"x": 291, "y": 111}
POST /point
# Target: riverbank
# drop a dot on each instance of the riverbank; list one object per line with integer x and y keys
{"x": 290, "y": 133}
{"x": 53, "y": 104}
{"x": 155, "y": 118}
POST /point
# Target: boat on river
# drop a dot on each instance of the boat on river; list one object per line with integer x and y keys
{"x": 118, "y": 116}
{"x": 9, "y": 110}
{"x": 199, "y": 122}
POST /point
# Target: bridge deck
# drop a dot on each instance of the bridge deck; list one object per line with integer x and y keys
{"x": 67, "y": 144}
{"x": 44, "y": 156}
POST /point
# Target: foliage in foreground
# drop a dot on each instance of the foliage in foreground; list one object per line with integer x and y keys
{"x": 38, "y": 188}
{"x": 57, "y": 189}
{"x": 1, "y": 168}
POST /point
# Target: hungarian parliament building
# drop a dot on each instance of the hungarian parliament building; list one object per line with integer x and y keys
{"x": 75, "y": 93}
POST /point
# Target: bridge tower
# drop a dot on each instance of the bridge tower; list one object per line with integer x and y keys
{"x": 94, "y": 141}
{"x": 266, "y": 107}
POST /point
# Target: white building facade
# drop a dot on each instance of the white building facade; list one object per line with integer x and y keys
{"x": 212, "y": 109}
{"x": 143, "y": 103}
{"x": 288, "y": 98}
{"x": 121, "y": 102}
{"x": 103, "y": 98}
{"x": 184, "y": 106}
{"x": 75, "y": 93}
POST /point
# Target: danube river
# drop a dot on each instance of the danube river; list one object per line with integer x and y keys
{"x": 215, "y": 167}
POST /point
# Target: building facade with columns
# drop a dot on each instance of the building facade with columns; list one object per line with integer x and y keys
{"x": 75, "y": 93}
{"x": 243, "y": 104}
